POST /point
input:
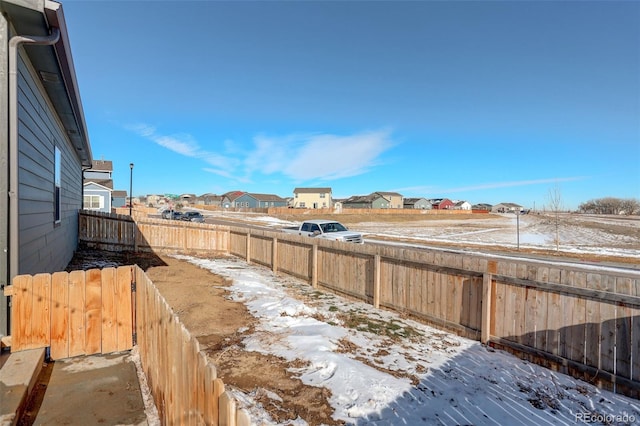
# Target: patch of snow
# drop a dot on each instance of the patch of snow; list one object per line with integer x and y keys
{"x": 405, "y": 372}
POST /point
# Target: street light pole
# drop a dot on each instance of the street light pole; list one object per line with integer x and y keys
{"x": 130, "y": 188}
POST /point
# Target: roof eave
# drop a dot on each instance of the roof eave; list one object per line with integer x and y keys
{"x": 54, "y": 65}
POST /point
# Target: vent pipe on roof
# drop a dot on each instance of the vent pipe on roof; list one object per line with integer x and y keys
{"x": 14, "y": 44}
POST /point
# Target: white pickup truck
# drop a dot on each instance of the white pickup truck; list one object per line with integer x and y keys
{"x": 327, "y": 229}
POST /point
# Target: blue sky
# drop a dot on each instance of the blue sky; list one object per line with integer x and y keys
{"x": 489, "y": 101}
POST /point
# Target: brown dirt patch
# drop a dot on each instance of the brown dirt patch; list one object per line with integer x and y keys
{"x": 200, "y": 299}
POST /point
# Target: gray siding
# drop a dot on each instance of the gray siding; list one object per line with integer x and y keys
{"x": 44, "y": 246}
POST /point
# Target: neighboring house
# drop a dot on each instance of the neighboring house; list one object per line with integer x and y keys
{"x": 187, "y": 199}
{"x": 441, "y": 203}
{"x": 507, "y": 208}
{"x": 98, "y": 186}
{"x": 461, "y": 205}
{"x": 118, "y": 198}
{"x": 371, "y": 201}
{"x": 210, "y": 200}
{"x": 229, "y": 199}
{"x": 395, "y": 199}
{"x": 101, "y": 174}
{"x": 152, "y": 200}
{"x": 96, "y": 197}
{"x": 417, "y": 203}
{"x": 44, "y": 145}
{"x": 248, "y": 200}
{"x": 482, "y": 206}
{"x": 312, "y": 198}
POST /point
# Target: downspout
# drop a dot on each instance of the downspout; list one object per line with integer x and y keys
{"x": 14, "y": 44}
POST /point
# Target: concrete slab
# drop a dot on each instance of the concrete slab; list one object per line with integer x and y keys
{"x": 17, "y": 378}
{"x": 96, "y": 389}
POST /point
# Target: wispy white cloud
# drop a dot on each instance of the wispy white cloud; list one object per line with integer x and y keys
{"x": 300, "y": 157}
{"x": 182, "y": 143}
{"x": 318, "y": 156}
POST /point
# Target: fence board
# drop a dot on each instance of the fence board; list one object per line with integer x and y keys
{"x": 76, "y": 313}
{"x": 60, "y": 315}
{"x": 577, "y": 342}
{"x": 41, "y": 314}
{"x": 22, "y": 306}
{"x": 635, "y": 334}
{"x": 608, "y": 329}
{"x": 109, "y": 310}
{"x": 93, "y": 312}
{"x": 623, "y": 331}
{"x": 124, "y": 308}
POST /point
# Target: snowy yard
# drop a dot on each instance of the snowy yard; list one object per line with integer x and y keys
{"x": 383, "y": 369}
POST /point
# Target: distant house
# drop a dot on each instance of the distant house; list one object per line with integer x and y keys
{"x": 98, "y": 186}
{"x": 371, "y": 201}
{"x": 101, "y": 174}
{"x": 395, "y": 199}
{"x": 507, "y": 208}
{"x": 250, "y": 200}
{"x": 118, "y": 198}
{"x": 96, "y": 197}
{"x": 312, "y": 198}
{"x": 417, "y": 203}
{"x": 153, "y": 200}
{"x": 441, "y": 203}
{"x": 229, "y": 199}
{"x": 44, "y": 143}
{"x": 187, "y": 199}
{"x": 482, "y": 206}
{"x": 210, "y": 200}
{"x": 461, "y": 205}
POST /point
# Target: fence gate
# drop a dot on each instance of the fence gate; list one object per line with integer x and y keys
{"x": 74, "y": 313}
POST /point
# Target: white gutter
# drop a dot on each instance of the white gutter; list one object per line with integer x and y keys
{"x": 14, "y": 44}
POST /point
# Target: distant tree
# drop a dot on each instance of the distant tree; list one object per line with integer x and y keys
{"x": 611, "y": 205}
{"x": 554, "y": 199}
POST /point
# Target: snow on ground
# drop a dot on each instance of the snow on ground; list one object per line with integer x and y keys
{"x": 382, "y": 369}
{"x": 533, "y": 231}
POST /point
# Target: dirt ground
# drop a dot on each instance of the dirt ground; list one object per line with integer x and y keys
{"x": 193, "y": 292}
{"x": 200, "y": 299}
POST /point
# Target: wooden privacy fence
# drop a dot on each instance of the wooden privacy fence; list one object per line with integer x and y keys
{"x": 579, "y": 319}
{"x": 73, "y": 313}
{"x": 91, "y": 312}
{"x": 116, "y": 232}
{"x": 182, "y": 379}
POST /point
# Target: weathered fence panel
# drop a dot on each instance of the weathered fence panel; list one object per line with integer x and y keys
{"x": 76, "y": 313}
{"x": 181, "y": 377}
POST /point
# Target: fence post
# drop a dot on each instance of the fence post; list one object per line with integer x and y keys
{"x": 376, "y": 281}
{"x": 274, "y": 255}
{"x": 485, "y": 333}
{"x": 314, "y": 266}
{"x": 248, "y": 245}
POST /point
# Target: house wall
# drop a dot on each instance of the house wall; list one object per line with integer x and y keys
{"x": 97, "y": 174}
{"x": 308, "y": 200}
{"x": 380, "y": 203}
{"x": 421, "y": 204}
{"x": 119, "y": 202}
{"x": 246, "y": 201}
{"x": 44, "y": 246}
{"x": 101, "y": 192}
{"x": 395, "y": 201}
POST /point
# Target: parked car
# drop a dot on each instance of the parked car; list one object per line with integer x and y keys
{"x": 192, "y": 217}
{"x": 325, "y": 229}
{"x": 171, "y": 214}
